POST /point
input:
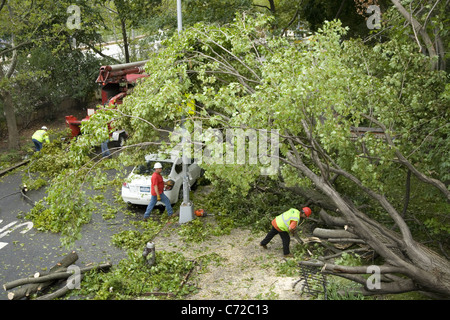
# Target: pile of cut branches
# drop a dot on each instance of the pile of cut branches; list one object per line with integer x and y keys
{"x": 40, "y": 282}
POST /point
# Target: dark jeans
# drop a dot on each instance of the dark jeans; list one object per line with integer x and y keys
{"x": 37, "y": 145}
{"x": 285, "y": 238}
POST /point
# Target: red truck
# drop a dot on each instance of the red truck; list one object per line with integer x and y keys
{"x": 115, "y": 81}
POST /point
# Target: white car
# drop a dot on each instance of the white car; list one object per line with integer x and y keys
{"x": 136, "y": 188}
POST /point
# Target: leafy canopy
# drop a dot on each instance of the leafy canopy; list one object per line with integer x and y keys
{"x": 241, "y": 76}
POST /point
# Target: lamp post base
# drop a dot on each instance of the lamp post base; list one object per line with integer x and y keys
{"x": 186, "y": 212}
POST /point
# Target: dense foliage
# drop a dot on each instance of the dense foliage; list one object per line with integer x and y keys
{"x": 342, "y": 82}
{"x": 314, "y": 94}
{"x": 270, "y": 83}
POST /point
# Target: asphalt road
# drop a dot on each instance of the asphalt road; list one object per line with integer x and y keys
{"x": 25, "y": 250}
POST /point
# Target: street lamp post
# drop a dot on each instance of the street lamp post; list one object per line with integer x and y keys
{"x": 187, "y": 207}
{"x": 179, "y": 16}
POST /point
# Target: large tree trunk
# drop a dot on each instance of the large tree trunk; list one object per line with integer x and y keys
{"x": 424, "y": 269}
{"x": 8, "y": 110}
{"x": 8, "y": 106}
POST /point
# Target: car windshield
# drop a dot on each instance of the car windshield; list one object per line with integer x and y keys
{"x": 147, "y": 168}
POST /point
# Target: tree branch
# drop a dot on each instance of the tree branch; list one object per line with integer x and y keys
{"x": 417, "y": 27}
{"x": 434, "y": 182}
{"x": 2, "y": 4}
{"x": 232, "y": 54}
{"x": 61, "y": 274}
{"x": 294, "y": 17}
{"x": 99, "y": 52}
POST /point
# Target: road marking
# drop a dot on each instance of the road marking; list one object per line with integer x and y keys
{"x": 11, "y": 227}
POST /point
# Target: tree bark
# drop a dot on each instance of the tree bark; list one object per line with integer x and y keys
{"x": 28, "y": 289}
{"x": 8, "y": 110}
{"x": 125, "y": 40}
{"x": 418, "y": 28}
{"x": 332, "y": 221}
{"x": 60, "y": 274}
{"x": 58, "y": 293}
{"x": 5, "y": 95}
{"x": 327, "y": 233}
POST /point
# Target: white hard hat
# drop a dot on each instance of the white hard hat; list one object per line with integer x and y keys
{"x": 157, "y": 166}
{"x": 44, "y": 128}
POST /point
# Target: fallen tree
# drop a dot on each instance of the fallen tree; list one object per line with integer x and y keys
{"x": 311, "y": 97}
{"x": 420, "y": 268}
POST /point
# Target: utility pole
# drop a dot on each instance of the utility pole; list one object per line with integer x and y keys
{"x": 179, "y": 16}
{"x": 187, "y": 207}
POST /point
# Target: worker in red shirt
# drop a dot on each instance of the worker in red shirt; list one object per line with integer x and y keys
{"x": 283, "y": 224}
{"x": 157, "y": 192}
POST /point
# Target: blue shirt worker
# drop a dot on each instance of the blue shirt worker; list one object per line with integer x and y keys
{"x": 39, "y": 137}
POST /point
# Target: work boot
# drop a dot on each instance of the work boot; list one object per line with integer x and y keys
{"x": 263, "y": 245}
{"x": 289, "y": 255}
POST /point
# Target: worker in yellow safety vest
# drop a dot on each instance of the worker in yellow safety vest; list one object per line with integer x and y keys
{"x": 39, "y": 137}
{"x": 283, "y": 224}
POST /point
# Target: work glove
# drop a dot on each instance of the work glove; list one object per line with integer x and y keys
{"x": 158, "y": 197}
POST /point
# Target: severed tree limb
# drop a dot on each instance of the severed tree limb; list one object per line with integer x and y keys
{"x": 337, "y": 240}
{"x": 61, "y": 274}
{"x": 331, "y": 220}
{"x": 31, "y": 288}
{"x": 342, "y": 252}
{"x": 58, "y": 293}
{"x": 188, "y": 274}
{"x": 399, "y": 285}
{"x": 331, "y": 233}
{"x": 338, "y": 269}
{"x": 313, "y": 195}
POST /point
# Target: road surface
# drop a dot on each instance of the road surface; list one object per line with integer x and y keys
{"x": 25, "y": 250}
